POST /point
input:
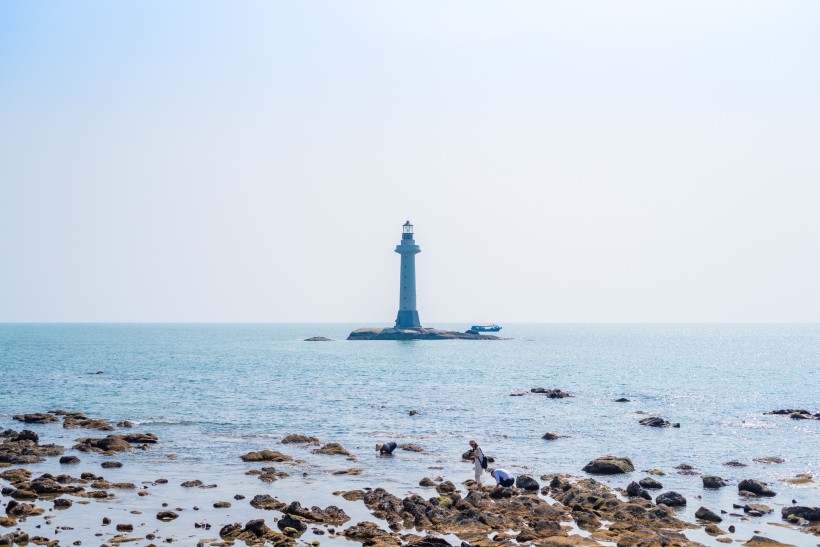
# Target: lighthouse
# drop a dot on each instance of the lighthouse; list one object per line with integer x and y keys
{"x": 408, "y": 317}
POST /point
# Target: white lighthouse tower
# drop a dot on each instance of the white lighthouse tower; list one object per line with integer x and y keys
{"x": 408, "y": 317}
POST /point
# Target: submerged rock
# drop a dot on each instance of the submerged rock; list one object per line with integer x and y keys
{"x": 295, "y": 438}
{"x": 318, "y": 339}
{"x": 656, "y": 421}
{"x": 36, "y": 418}
{"x": 550, "y": 393}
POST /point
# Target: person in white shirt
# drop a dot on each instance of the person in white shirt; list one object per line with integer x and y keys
{"x": 479, "y": 461}
{"x": 502, "y": 477}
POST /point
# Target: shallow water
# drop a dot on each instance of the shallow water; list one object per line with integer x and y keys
{"x": 213, "y": 392}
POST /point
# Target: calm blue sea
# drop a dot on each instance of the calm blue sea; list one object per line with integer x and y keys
{"x": 212, "y": 392}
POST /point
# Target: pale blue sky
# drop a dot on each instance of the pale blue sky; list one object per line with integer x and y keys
{"x": 562, "y": 161}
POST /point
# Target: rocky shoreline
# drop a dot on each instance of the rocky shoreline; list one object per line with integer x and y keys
{"x": 553, "y": 509}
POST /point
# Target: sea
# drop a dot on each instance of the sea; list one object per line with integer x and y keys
{"x": 212, "y": 392}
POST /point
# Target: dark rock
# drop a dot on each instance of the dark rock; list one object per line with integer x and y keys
{"x": 26, "y": 435}
{"x": 288, "y": 521}
{"x": 445, "y": 487}
{"x": 525, "y": 482}
{"x": 811, "y": 514}
{"x": 167, "y": 516}
{"x": 111, "y": 465}
{"x": 257, "y": 527}
{"x": 551, "y": 393}
{"x": 426, "y": 481}
{"x": 222, "y": 505}
{"x": 712, "y": 481}
{"x": 550, "y": 436}
{"x": 264, "y": 501}
{"x": 410, "y": 447}
{"x": 192, "y": 484}
{"x": 623, "y": 400}
{"x": 705, "y": 514}
{"x": 656, "y": 421}
{"x": 68, "y": 460}
{"x": 294, "y": 438}
{"x": 755, "y": 487}
{"x": 413, "y": 412}
{"x": 36, "y": 418}
{"x": 734, "y": 463}
{"x": 609, "y": 465}
{"x": 756, "y": 509}
{"x": 318, "y": 339}
{"x": 649, "y": 482}
{"x": 62, "y": 503}
{"x": 239, "y": 497}
{"x": 125, "y": 527}
{"x": 125, "y": 424}
{"x": 634, "y": 490}
{"x": 671, "y": 499}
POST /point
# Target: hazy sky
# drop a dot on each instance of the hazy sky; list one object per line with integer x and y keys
{"x": 561, "y": 161}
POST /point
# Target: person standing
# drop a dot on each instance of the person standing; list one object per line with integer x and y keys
{"x": 479, "y": 461}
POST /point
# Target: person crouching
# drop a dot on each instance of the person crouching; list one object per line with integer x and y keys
{"x": 503, "y": 478}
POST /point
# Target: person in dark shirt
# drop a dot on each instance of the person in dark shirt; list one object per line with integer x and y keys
{"x": 386, "y": 449}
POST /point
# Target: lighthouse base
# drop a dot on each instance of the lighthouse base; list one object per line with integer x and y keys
{"x": 408, "y": 319}
{"x": 375, "y": 333}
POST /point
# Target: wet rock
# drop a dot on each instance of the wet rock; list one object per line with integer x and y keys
{"x": 26, "y": 435}
{"x": 550, "y": 436}
{"x": 370, "y": 534}
{"x": 192, "y": 484}
{"x": 288, "y": 521}
{"x": 266, "y": 456}
{"x": 446, "y": 487}
{"x": 770, "y": 459}
{"x": 300, "y": 439}
{"x": 671, "y": 499}
{"x": 114, "y": 443}
{"x": 332, "y": 449}
{"x": 634, "y": 490}
{"x": 656, "y": 421}
{"x": 413, "y": 413}
{"x": 762, "y": 541}
{"x": 36, "y": 418}
{"x": 62, "y": 503}
{"x": 318, "y": 339}
{"x": 734, "y": 463}
{"x": 69, "y": 460}
{"x": 222, "y": 505}
{"x": 125, "y": 424}
{"x": 526, "y": 482}
{"x": 20, "y": 451}
{"x": 650, "y": 483}
{"x": 756, "y": 509}
{"x": 609, "y": 465}
{"x": 410, "y": 447}
{"x": 167, "y": 516}
{"x": 111, "y": 465}
{"x": 73, "y": 421}
{"x": 16, "y": 509}
{"x": 350, "y": 471}
{"x": 16, "y": 476}
{"x": 427, "y": 481}
{"x": 801, "y": 479}
{"x": 795, "y": 414}
{"x": 712, "y": 481}
{"x": 623, "y": 400}
{"x": 550, "y": 393}
{"x": 755, "y": 487}
{"x": 705, "y": 514}
{"x": 264, "y": 501}
{"x": 811, "y": 514}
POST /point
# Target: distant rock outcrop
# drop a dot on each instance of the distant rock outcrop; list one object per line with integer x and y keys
{"x": 375, "y": 333}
